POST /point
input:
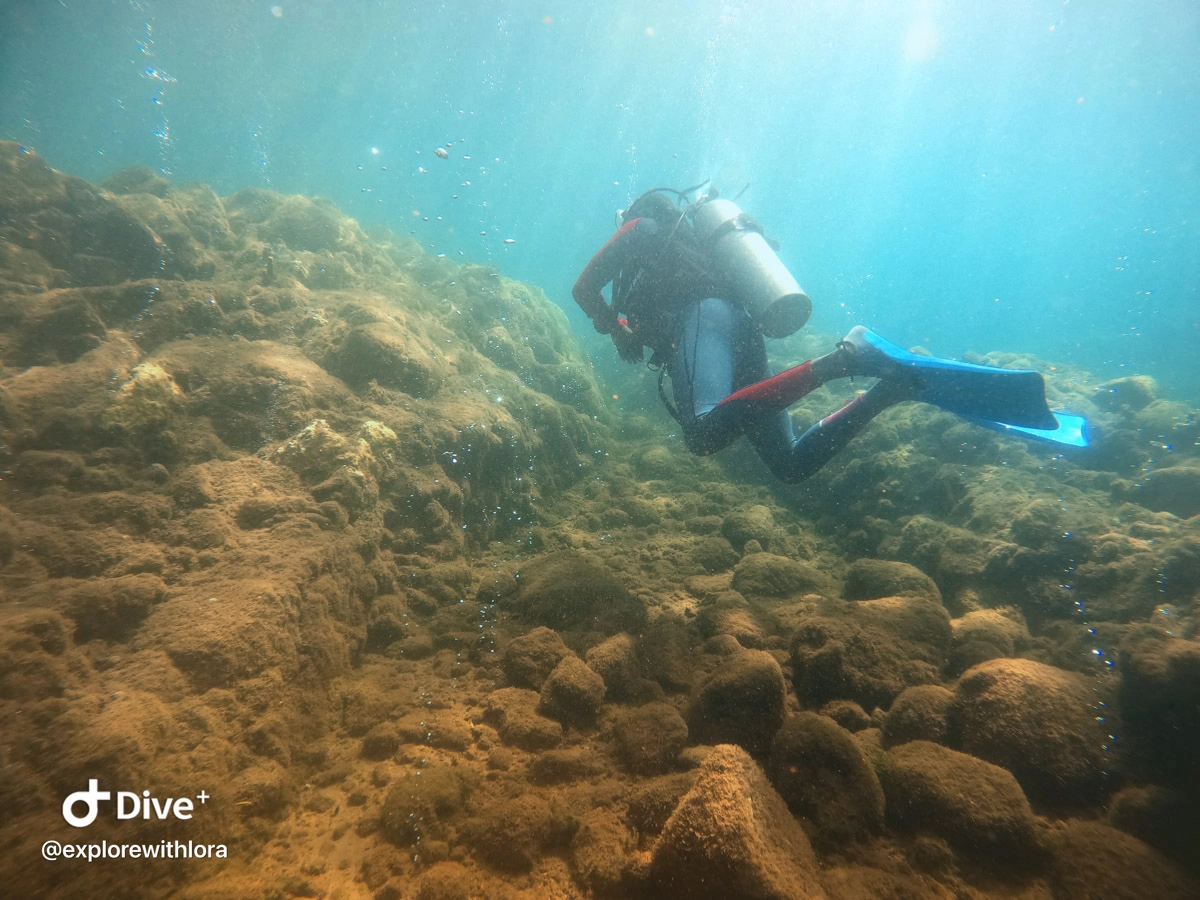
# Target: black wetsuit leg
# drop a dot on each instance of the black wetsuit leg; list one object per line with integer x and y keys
{"x": 718, "y": 351}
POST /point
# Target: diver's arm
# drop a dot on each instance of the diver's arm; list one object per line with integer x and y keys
{"x": 600, "y": 270}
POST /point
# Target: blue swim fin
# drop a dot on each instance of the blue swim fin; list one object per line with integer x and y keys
{"x": 1072, "y": 430}
{"x": 1012, "y": 397}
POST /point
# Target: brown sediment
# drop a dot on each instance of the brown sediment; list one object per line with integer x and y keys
{"x": 344, "y": 536}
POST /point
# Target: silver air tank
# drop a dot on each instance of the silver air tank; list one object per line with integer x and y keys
{"x": 761, "y": 283}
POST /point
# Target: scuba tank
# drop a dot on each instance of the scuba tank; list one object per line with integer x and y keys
{"x": 760, "y": 282}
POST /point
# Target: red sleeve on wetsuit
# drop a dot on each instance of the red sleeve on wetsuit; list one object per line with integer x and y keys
{"x": 600, "y": 270}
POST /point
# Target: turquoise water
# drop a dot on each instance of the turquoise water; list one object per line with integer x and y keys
{"x": 993, "y": 175}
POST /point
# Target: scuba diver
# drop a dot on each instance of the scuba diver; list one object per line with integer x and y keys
{"x": 698, "y": 284}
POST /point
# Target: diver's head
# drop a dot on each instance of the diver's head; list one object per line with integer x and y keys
{"x": 652, "y": 205}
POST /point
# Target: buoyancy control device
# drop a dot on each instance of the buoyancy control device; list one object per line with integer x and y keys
{"x": 761, "y": 283}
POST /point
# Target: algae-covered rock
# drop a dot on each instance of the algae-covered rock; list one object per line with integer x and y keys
{"x": 918, "y": 714}
{"x": 740, "y": 703}
{"x": 1163, "y": 818}
{"x": 1160, "y": 703}
{"x": 1086, "y": 854}
{"x": 754, "y": 523}
{"x": 1132, "y": 392}
{"x": 112, "y": 608}
{"x": 848, "y": 714}
{"x": 601, "y": 852}
{"x": 715, "y": 554}
{"x": 567, "y": 589}
{"x": 870, "y": 579}
{"x": 729, "y": 613}
{"x": 977, "y": 807}
{"x": 446, "y": 880}
{"x": 514, "y": 713}
{"x": 615, "y": 660}
{"x": 510, "y": 833}
{"x": 418, "y": 805}
{"x": 572, "y": 693}
{"x": 529, "y": 659}
{"x": 1174, "y": 489}
{"x": 869, "y": 651}
{"x": 821, "y": 773}
{"x": 767, "y": 575}
{"x": 650, "y": 738}
{"x": 1035, "y": 720}
{"x": 732, "y": 836}
{"x": 985, "y": 634}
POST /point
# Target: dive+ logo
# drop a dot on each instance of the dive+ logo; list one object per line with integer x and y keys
{"x": 129, "y": 805}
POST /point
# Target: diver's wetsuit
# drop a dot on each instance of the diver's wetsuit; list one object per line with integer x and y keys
{"x": 717, "y": 359}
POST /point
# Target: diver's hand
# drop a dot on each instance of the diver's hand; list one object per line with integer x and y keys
{"x": 629, "y": 345}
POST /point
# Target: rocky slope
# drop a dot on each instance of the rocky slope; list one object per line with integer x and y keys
{"x": 346, "y": 536}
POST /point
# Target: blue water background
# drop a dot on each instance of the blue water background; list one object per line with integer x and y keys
{"x": 1017, "y": 175}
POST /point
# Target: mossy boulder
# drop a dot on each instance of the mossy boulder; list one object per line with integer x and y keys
{"x": 870, "y": 579}
{"x": 740, "y": 703}
{"x": 529, "y": 659}
{"x": 650, "y": 738}
{"x": 574, "y": 590}
{"x": 822, "y": 774}
{"x": 765, "y": 575}
{"x": 732, "y": 836}
{"x": 1035, "y": 720}
{"x": 974, "y": 805}
{"x": 869, "y": 651}
{"x": 918, "y": 714}
{"x": 572, "y": 693}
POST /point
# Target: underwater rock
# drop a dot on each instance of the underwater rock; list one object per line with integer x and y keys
{"x": 1174, "y": 489}
{"x": 388, "y": 355}
{"x": 848, "y": 714}
{"x": 917, "y": 714}
{"x": 820, "y": 772}
{"x": 767, "y": 575}
{"x": 975, "y": 806}
{"x": 732, "y": 836}
{"x": 870, "y": 579}
{"x": 601, "y": 852}
{"x": 381, "y": 741}
{"x": 985, "y": 634}
{"x": 572, "y": 693}
{"x": 754, "y": 523}
{"x": 953, "y": 557}
{"x": 1163, "y": 818}
{"x": 656, "y": 463}
{"x": 446, "y": 880}
{"x": 650, "y": 802}
{"x": 715, "y": 554}
{"x": 868, "y": 650}
{"x": 730, "y": 614}
{"x": 510, "y": 833}
{"x": 418, "y": 805}
{"x": 1087, "y": 854}
{"x": 303, "y": 224}
{"x": 112, "y": 609}
{"x": 650, "y": 738}
{"x": 566, "y": 765}
{"x": 615, "y": 660}
{"x": 529, "y": 659}
{"x": 1131, "y": 393}
{"x": 1160, "y": 708}
{"x": 1035, "y": 720}
{"x": 136, "y": 180}
{"x": 740, "y": 703}
{"x": 667, "y": 652}
{"x": 513, "y": 712}
{"x": 572, "y": 590}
